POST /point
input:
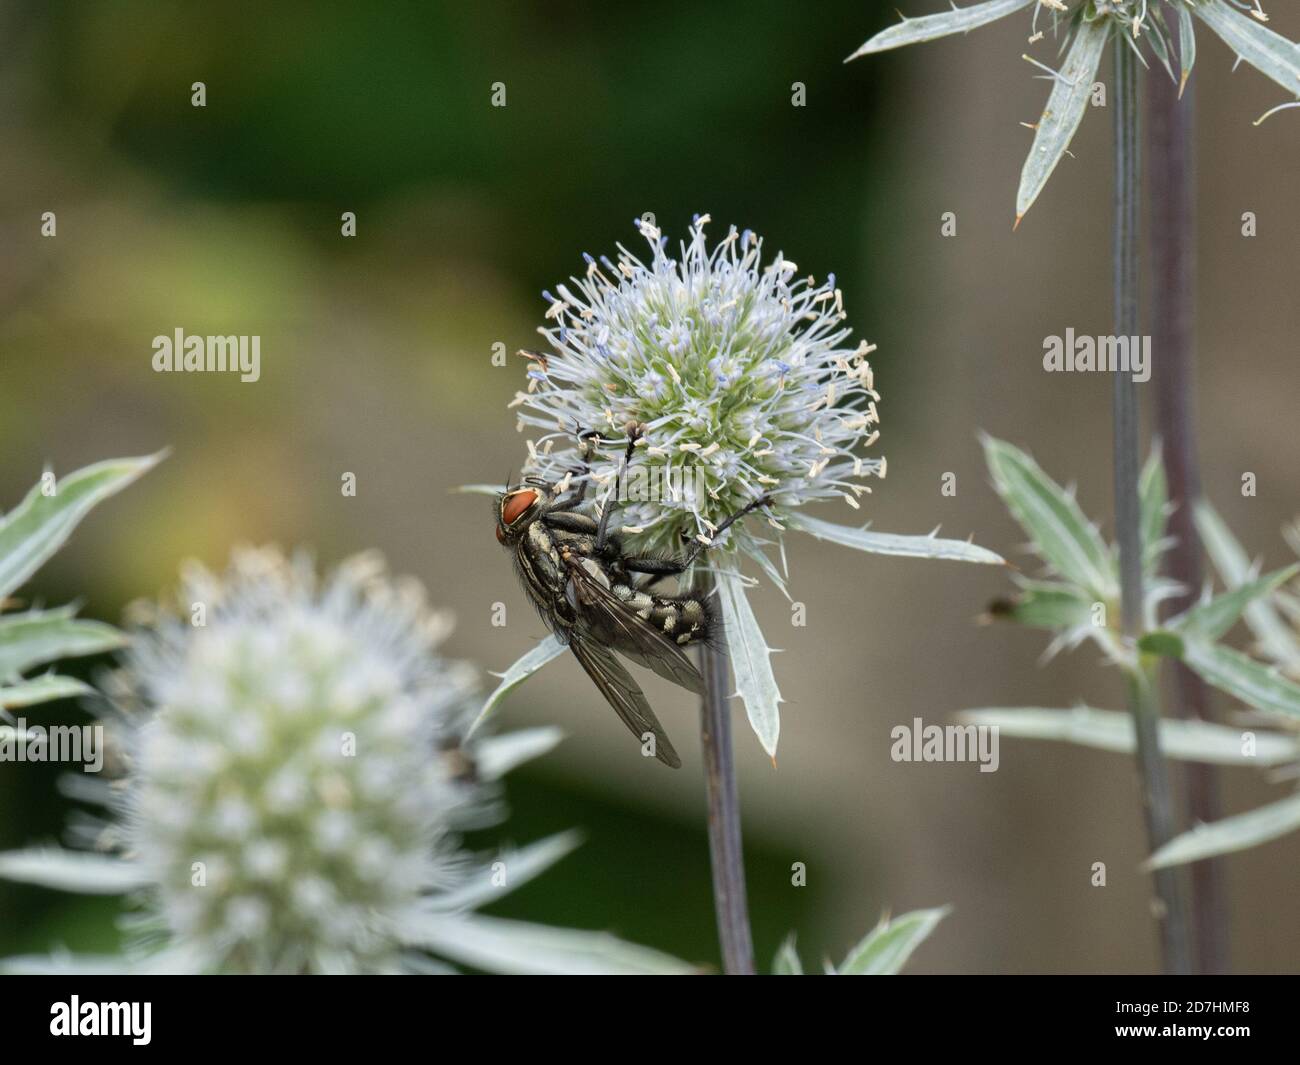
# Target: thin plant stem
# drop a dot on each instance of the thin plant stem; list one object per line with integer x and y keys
{"x": 1157, "y": 803}
{"x": 1173, "y": 263}
{"x": 725, "y": 849}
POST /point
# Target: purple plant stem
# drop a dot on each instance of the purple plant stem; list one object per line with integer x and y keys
{"x": 1171, "y": 170}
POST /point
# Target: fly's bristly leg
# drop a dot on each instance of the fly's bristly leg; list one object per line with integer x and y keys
{"x": 566, "y": 520}
{"x": 748, "y": 508}
{"x": 667, "y": 567}
{"x": 656, "y": 567}
{"x": 635, "y": 430}
{"x": 588, "y": 440}
{"x": 564, "y": 506}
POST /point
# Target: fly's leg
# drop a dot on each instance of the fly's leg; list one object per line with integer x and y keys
{"x": 657, "y": 567}
{"x": 558, "y": 516}
{"x": 566, "y": 520}
{"x": 587, "y": 443}
{"x": 668, "y": 567}
{"x": 728, "y": 522}
{"x": 635, "y": 430}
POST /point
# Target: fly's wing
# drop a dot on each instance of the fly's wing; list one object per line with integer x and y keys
{"x": 622, "y": 693}
{"x": 631, "y": 635}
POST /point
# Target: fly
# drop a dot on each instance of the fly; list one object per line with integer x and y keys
{"x": 598, "y": 599}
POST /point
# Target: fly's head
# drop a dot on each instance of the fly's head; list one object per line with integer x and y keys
{"x": 516, "y": 510}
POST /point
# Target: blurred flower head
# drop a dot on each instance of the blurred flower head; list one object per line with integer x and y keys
{"x": 294, "y": 772}
{"x": 285, "y": 794}
{"x": 735, "y": 372}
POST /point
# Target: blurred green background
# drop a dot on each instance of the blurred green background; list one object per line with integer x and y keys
{"x": 376, "y": 360}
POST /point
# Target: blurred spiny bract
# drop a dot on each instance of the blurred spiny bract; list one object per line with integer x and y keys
{"x": 29, "y": 534}
{"x": 1078, "y": 600}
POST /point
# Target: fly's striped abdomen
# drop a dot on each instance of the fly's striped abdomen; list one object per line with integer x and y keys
{"x": 682, "y": 618}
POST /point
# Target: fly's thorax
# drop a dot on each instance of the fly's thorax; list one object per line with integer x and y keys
{"x": 580, "y": 545}
{"x": 540, "y": 541}
{"x": 541, "y": 571}
{"x": 539, "y": 553}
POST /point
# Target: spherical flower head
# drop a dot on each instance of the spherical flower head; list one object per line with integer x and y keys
{"x": 286, "y": 791}
{"x": 733, "y": 375}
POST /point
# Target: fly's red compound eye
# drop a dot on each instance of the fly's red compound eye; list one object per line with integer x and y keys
{"x": 516, "y": 504}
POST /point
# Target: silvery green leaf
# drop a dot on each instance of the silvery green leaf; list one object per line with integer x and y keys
{"x": 1052, "y": 518}
{"x": 769, "y": 567}
{"x": 1065, "y": 106}
{"x": 53, "y": 867}
{"x": 1160, "y": 48}
{"x": 1153, "y": 494}
{"x": 1131, "y": 43}
{"x": 1274, "y": 636}
{"x": 424, "y": 965}
{"x": 509, "y": 870}
{"x": 895, "y": 544}
{"x": 886, "y": 948}
{"x": 786, "y": 962}
{"x": 38, "y": 526}
{"x": 1274, "y": 110}
{"x": 1241, "y": 677}
{"x": 930, "y": 27}
{"x": 170, "y": 961}
{"x": 1268, "y": 52}
{"x": 1289, "y": 605}
{"x": 1163, "y": 642}
{"x": 751, "y": 661}
{"x": 502, "y": 946}
{"x": 528, "y": 664}
{"x": 64, "y": 964}
{"x": 1213, "y": 618}
{"x": 495, "y": 756}
{"x": 1186, "y": 46}
{"x": 1231, "y": 834}
{"x": 1112, "y": 730}
{"x": 39, "y": 636}
{"x": 478, "y": 489}
{"x": 1046, "y": 605}
{"x": 41, "y": 690}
